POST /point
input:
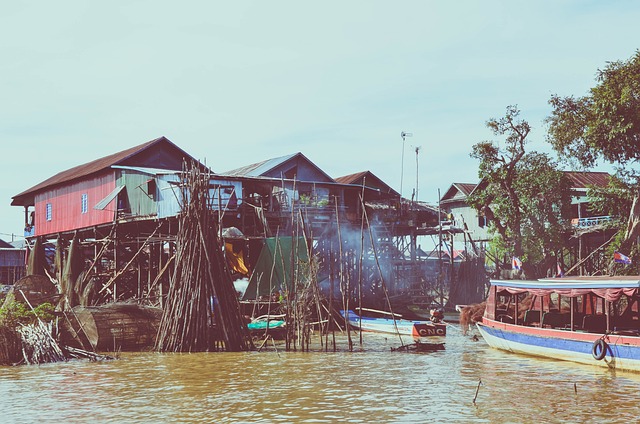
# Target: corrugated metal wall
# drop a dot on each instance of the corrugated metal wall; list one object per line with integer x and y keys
{"x": 147, "y": 195}
{"x": 141, "y": 192}
{"x": 226, "y": 194}
{"x": 11, "y": 257}
{"x": 167, "y": 195}
{"x": 66, "y": 205}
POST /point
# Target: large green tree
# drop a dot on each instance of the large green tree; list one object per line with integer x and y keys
{"x": 524, "y": 196}
{"x": 604, "y": 125}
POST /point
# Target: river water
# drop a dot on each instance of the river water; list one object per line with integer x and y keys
{"x": 371, "y": 384}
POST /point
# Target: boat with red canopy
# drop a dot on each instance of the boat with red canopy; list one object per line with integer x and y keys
{"x": 590, "y": 320}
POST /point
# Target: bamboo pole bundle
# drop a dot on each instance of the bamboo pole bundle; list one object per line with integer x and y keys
{"x": 201, "y": 294}
{"x": 38, "y": 344}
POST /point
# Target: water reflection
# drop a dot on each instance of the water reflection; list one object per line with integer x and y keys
{"x": 372, "y": 385}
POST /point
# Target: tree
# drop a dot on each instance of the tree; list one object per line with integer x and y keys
{"x": 524, "y": 196}
{"x": 605, "y": 125}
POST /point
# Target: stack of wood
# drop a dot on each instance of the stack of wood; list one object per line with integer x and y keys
{"x": 201, "y": 308}
{"x": 23, "y": 338}
{"x": 38, "y": 344}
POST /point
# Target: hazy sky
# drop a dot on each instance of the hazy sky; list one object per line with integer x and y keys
{"x": 237, "y": 82}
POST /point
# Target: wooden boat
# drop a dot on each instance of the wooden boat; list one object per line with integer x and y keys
{"x": 274, "y": 325}
{"x": 589, "y": 320}
{"x": 425, "y": 313}
{"x": 419, "y": 347}
{"x": 398, "y": 326}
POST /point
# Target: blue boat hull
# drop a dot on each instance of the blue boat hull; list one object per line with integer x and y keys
{"x": 399, "y": 326}
{"x": 620, "y": 352}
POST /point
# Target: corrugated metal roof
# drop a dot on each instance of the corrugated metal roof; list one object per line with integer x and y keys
{"x": 352, "y": 178}
{"x": 370, "y": 180}
{"x": 259, "y": 168}
{"x": 150, "y": 171}
{"x": 465, "y": 188}
{"x": 585, "y": 179}
{"x": 90, "y": 168}
{"x": 580, "y": 180}
{"x": 458, "y": 191}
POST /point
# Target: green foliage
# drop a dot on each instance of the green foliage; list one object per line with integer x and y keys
{"x": 13, "y": 313}
{"x": 613, "y": 200}
{"x": 305, "y": 199}
{"x": 633, "y": 253}
{"x": 523, "y": 194}
{"x": 604, "y": 124}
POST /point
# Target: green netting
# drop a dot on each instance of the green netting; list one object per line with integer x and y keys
{"x": 273, "y": 271}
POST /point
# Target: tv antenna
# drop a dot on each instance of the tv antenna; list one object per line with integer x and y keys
{"x": 404, "y": 135}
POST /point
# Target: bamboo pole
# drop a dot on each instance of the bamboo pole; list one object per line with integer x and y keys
{"x": 201, "y": 292}
{"x": 361, "y": 259}
{"x": 126, "y": 267}
{"x": 343, "y": 286}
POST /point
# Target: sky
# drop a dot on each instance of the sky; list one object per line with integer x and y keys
{"x": 237, "y": 82}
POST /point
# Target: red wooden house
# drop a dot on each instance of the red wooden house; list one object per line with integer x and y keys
{"x": 67, "y": 201}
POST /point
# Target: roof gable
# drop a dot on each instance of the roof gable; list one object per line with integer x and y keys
{"x": 582, "y": 180}
{"x": 157, "y": 153}
{"x": 368, "y": 179}
{"x": 295, "y": 166}
{"x": 458, "y": 191}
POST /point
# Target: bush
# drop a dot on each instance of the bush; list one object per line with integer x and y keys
{"x": 13, "y": 313}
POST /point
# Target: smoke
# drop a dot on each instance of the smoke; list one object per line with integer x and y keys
{"x": 241, "y": 286}
{"x": 361, "y": 263}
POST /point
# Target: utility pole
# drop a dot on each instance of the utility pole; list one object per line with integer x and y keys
{"x": 404, "y": 135}
{"x": 417, "y": 151}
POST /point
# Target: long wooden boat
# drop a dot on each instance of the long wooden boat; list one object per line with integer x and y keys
{"x": 398, "y": 326}
{"x": 589, "y": 320}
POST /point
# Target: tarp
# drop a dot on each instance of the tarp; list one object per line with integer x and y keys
{"x": 273, "y": 270}
{"x": 235, "y": 260}
{"x": 36, "y": 260}
{"x": 73, "y": 266}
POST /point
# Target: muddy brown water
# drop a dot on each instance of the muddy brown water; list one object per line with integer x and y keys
{"x": 372, "y": 384}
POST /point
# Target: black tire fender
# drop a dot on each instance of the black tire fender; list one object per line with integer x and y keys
{"x": 599, "y": 349}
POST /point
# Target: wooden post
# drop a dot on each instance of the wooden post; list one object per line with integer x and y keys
{"x": 138, "y": 271}
{"x": 115, "y": 261}
{"x": 572, "y": 301}
{"x": 607, "y": 309}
